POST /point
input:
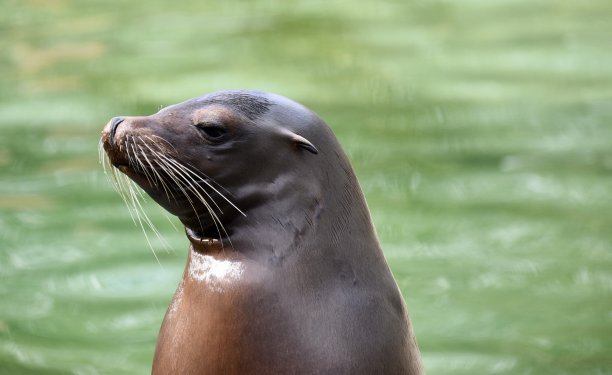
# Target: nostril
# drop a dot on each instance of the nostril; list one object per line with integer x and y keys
{"x": 115, "y": 121}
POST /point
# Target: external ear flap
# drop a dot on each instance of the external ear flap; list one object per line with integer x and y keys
{"x": 304, "y": 143}
{"x": 300, "y": 141}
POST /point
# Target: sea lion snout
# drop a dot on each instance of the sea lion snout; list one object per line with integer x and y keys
{"x": 113, "y": 134}
{"x": 111, "y": 129}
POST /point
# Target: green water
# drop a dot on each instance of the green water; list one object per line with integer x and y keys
{"x": 481, "y": 133}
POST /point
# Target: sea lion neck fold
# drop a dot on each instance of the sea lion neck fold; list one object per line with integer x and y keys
{"x": 284, "y": 273}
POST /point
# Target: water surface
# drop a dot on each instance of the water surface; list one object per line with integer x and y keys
{"x": 480, "y": 132}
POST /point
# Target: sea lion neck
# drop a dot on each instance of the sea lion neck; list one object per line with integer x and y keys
{"x": 285, "y": 217}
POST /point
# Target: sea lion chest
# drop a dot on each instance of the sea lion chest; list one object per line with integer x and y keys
{"x": 233, "y": 316}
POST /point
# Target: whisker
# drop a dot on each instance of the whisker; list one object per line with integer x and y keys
{"x": 157, "y": 175}
{"x": 188, "y": 164}
{"x": 181, "y": 168}
{"x": 130, "y": 193}
{"x": 216, "y": 220}
{"x": 139, "y": 165}
{"x": 187, "y": 177}
{"x": 200, "y": 179}
{"x": 118, "y": 183}
{"x": 177, "y": 168}
{"x": 191, "y": 187}
{"x": 178, "y": 184}
{"x": 163, "y": 140}
{"x": 135, "y": 202}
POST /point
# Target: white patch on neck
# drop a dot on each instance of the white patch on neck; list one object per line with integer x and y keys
{"x": 212, "y": 272}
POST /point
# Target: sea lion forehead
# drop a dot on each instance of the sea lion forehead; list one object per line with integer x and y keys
{"x": 216, "y": 114}
{"x": 251, "y": 104}
{"x": 238, "y": 105}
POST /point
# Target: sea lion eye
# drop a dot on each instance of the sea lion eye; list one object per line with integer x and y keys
{"x": 213, "y": 132}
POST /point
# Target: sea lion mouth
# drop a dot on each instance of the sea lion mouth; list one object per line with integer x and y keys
{"x": 116, "y": 156}
{"x": 203, "y": 241}
{"x": 130, "y": 170}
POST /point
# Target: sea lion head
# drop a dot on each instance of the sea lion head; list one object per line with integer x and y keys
{"x": 216, "y": 159}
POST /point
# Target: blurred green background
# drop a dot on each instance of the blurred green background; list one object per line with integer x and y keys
{"x": 480, "y": 131}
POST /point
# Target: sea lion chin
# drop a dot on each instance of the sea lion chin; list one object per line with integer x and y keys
{"x": 285, "y": 274}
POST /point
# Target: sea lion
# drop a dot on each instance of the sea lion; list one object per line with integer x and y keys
{"x": 285, "y": 274}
